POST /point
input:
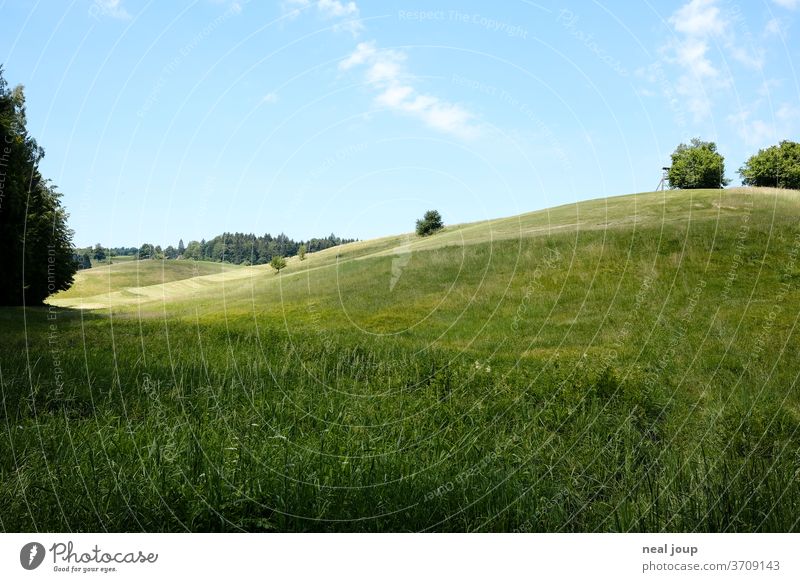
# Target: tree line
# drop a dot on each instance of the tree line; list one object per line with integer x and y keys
{"x": 237, "y": 248}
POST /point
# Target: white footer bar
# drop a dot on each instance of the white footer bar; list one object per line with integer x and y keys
{"x": 354, "y": 557}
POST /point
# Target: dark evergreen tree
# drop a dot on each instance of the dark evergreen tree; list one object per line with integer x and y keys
{"x": 37, "y": 244}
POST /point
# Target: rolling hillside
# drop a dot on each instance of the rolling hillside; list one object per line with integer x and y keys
{"x": 133, "y": 280}
{"x": 620, "y": 364}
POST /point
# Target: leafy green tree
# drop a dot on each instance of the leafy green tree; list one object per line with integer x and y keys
{"x": 277, "y": 263}
{"x": 170, "y": 252}
{"x": 146, "y": 251}
{"x": 36, "y": 242}
{"x": 697, "y": 165}
{"x": 430, "y": 223}
{"x": 181, "y": 248}
{"x": 99, "y": 253}
{"x": 301, "y": 252}
{"x": 193, "y": 251}
{"x": 777, "y": 166}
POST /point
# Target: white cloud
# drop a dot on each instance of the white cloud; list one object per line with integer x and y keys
{"x": 789, "y": 4}
{"x": 750, "y": 56}
{"x": 699, "y": 18}
{"x": 295, "y": 6}
{"x": 753, "y": 128}
{"x": 270, "y": 98}
{"x": 347, "y": 13}
{"x": 112, "y": 8}
{"x": 761, "y": 133}
{"x": 703, "y": 29}
{"x": 352, "y": 26}
{"x": 787, "y": 113}
{"x": 696, "y": 24}
{"x": 395, "y": 96}
{"x": 364, "y": 51}
{"x": 386, "y": 69}
{"x": 768, "y": 86}
{"x": 336, "y": 9}
{"x": 754, "y": 132}
{"x": 386, "y": 74}
{"x": 775, "y": 27}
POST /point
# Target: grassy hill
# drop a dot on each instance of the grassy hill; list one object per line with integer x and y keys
{"x": 620, "y": 364}
{"x": 132, "y": 281}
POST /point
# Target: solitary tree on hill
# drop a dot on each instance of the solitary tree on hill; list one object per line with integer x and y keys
{"x": 277, "y": 263}
{"x": 301, "y": 252}
{"x": 697, "y": 165}
{"x": 430, "y": 223}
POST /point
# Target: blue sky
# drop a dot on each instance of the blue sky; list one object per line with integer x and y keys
{"x": 166, "y": 120}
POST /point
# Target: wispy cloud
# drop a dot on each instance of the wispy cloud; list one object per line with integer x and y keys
{"x": 787, "y": 113}
{"x": 775, "y": 27}
{"x": 700, "y": 25}
{"x": 754, "y": 132}
{"x": 347, "y": 14}
{"x": 699, "y": 18}
{"x": 110, "y": 8}
{"x": 270, "y": 98}
{"x": 789, "y": 4}
{"x": 385, "y": 72}
{"x": 695, "y": 24}
{"x": 337, "y": 9}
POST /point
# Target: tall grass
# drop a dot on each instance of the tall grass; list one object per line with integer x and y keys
{"x": 640, "y": 377}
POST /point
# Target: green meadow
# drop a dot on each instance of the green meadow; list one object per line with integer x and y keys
{"x": 621, "y": 364}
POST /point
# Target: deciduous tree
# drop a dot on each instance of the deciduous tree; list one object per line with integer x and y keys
{"x": 697, "y": 165}
{"x": 777, "y": 166}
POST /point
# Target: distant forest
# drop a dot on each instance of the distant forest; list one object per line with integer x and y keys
{"x": 237, "y": 248}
